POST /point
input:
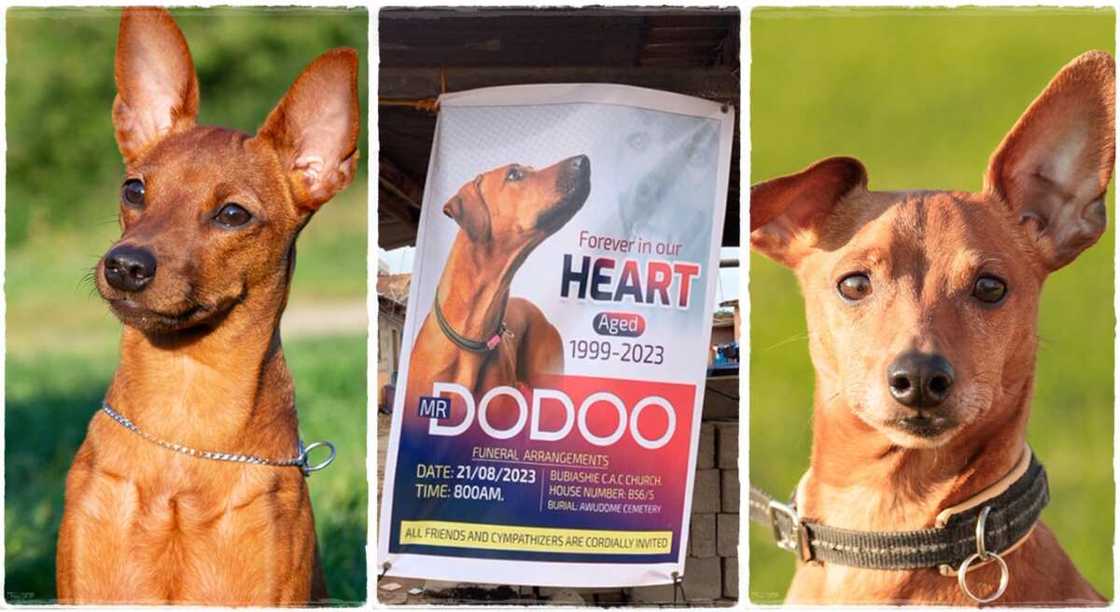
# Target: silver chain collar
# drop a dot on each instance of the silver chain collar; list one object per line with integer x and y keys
{"x": 300, "y": 461}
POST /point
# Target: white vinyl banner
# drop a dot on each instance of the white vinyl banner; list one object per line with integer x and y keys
{"x": 549, "y": 394}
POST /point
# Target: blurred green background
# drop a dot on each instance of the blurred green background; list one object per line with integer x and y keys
{"x": 63, "y": 181}
{"x": 923, "y": 97}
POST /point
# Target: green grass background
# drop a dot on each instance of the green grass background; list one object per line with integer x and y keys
{"x": 923, "y": 97}
{"x": 62, "y": 188}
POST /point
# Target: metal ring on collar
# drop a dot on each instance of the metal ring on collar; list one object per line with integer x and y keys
{"x": 1004, "y": 578}
{"x": 306, "y": 466}
{"x": 983, "y": 554}
{"x": 981, "y": 521}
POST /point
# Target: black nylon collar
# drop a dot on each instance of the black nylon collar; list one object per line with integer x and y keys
{"x": 1013, "y": 514}
{"x": 474, "y": 346}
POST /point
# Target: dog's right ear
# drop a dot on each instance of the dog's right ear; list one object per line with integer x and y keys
{"x": 468, "y": 209}
{"x": 786, "y": 212}
{"x": 157, "y": 89}
{"x": 1053, "y": 168}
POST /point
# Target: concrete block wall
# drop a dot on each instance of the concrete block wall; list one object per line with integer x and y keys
{"x": 712, "y": 567}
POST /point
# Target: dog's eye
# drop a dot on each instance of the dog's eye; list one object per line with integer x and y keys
{"x": 854, "y": 287}
{"x": 132, "y": 193}
{"x": 514, "y": 174}
{"x": 989, "y": 289}
{"x": 233, "y": 215}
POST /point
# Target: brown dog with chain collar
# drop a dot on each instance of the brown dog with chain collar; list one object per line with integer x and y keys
{"x": 200, "y": 279}
{"x": 922, "y": 309}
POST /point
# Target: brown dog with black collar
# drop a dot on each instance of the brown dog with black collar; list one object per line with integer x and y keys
{"x": 476, "y": 335}
{"x": 200, "y": 279}
{"x": 922, "y": 310}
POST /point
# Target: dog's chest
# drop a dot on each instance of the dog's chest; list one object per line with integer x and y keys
{"x": 502, "y": 369}
{"x": 182, "y": 524}
{"x": 832, "y": 584}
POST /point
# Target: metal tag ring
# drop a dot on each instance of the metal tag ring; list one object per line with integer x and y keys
{"x": 308, "y": 468}
{"x": 1004, "y": 577}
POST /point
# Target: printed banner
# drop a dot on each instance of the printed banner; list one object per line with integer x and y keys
{"x": 548, "y": 402}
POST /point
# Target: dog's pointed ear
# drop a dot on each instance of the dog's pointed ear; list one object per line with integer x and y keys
{"x": 468, "y": 209}
{"x": 787, "y": 212}
{"x": 314, "y": 129}
{"x": 157, "y": 89}
{"x": 1053, "y": 168}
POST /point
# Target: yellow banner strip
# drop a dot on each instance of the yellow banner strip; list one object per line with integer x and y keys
{"x": 535, "y": 539}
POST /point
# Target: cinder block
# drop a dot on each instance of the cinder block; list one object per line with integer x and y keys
{"x": 602, "y": 599}
{"x": 393, "y": 598}
{"x": 565, "y": 597}
{"x": 703, "y": 578}
{"x": 729, "y": 490}
{"x": 706, "y": 454}
{"x": 659, "y": 594}
{"x": 731, "y": 578}
{"x": 705, "y": 492}
{"x": 587, "y": 593}
{"x": 727, "y": 445}
{"x": 703, "y": 582}
{"x": 702, "y": 536}
{"x": 439, "y": 586}
{"x": 727, "y": 535}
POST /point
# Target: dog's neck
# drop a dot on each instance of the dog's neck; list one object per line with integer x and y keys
{"x": 225, "y": 388}
{"x": 859, "y": 479}
{"x": 473, "y": 292}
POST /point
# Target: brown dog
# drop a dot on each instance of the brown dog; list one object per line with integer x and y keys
{"x": 503, "y": 215}
{"x": 922, "y": 309}
{"x": 200, "y": 278}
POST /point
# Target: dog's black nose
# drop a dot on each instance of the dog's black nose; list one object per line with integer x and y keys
{"x": 129, "y": 268}
{"x": 579, "y": 162}
{"x": 920, "y": 380}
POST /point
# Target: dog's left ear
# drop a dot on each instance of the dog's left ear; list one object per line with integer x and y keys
{"x": 469, "y": 210}
{"x": 314, "y": 129}
{"x": 1053, "y": 168}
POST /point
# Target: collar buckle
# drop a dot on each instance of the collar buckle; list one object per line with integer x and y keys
{"x": 795, "y": 539}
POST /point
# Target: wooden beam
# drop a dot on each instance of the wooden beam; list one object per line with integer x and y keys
{"x": 392, "y": 234}
{"x": 391, "y": 208}
{"x": 398, "y": 202}
{"x": 391, "y": 176}
{"x": 690, "y": 16}
{"x": 719, "y": 84}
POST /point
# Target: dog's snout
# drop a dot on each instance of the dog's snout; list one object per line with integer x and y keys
{"x": 129, "y": 268}
{"x": 920, "y": 380}
{"x": 575, "y": 171}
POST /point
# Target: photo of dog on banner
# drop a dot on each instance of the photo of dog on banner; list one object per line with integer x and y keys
{"x": 477, "y": 333}
{"x": 541, "y": 415}
{"x": 552, "y": 372}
